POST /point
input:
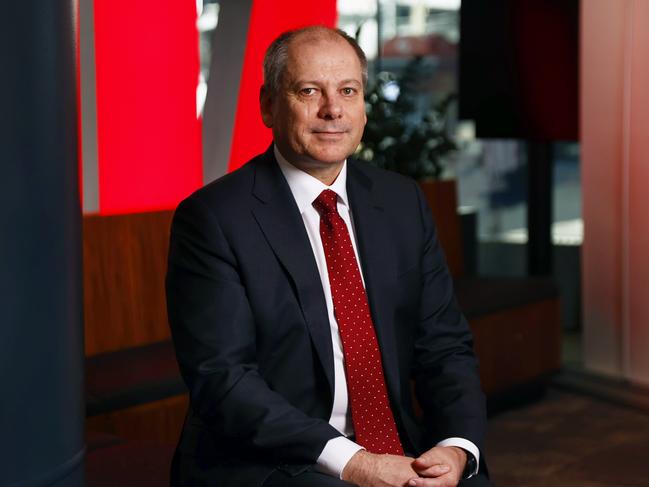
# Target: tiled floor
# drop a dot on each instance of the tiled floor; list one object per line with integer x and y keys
{"x": 569, "y": 440}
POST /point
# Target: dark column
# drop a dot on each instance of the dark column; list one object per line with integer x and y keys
{"x": 539, "y": 208}
{"x": 379, "y": 39}
{"x": 41, "y": 333}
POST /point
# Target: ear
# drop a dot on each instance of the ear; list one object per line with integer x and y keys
{"x": 266, "y": 106}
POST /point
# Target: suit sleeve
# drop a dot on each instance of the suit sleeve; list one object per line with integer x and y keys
{"x": 447, "y": 384}
{"x": 214, "y": 333}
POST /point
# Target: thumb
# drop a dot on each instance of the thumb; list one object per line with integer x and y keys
{"x": 425, "y": 460}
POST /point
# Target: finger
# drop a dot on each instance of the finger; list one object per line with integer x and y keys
{"x": 434, "y": 471}
{"x": 447, "y": 480}
{"x": 427, "y": 459}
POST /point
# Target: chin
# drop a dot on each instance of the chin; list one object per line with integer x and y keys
{"x": 330, "y": 157}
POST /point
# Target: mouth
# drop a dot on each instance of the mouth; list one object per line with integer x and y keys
{"x": 329, "y": 133}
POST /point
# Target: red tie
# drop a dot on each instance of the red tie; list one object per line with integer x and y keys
{"x": 371, "y": 414}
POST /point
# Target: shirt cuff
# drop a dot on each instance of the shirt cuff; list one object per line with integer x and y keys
{"x": 335, "y": 455}
{"x": 465, "y": 445}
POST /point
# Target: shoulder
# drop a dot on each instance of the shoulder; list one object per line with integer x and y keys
{"x": 232, "y": 186}
{"x": 382, "y": 178}
{"x": 229, "y": 193}
{"x": 395, "y": 189}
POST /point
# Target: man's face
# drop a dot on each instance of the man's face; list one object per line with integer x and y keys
{"x": 318, "y": 115}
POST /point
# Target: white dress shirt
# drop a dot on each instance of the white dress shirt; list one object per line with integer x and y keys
{"x": 305, "y": 189}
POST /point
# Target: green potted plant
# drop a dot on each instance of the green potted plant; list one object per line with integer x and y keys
{"x": 400, "y": 138}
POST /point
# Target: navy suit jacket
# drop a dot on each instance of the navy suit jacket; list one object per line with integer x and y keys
{"x": 250, "y": 326}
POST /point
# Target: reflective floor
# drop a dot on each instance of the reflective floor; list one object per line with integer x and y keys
{"x": 571, "y": 440}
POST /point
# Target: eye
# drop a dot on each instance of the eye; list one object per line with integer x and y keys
{"x": 307, "y": 91}
{"x": 347, "y": 91}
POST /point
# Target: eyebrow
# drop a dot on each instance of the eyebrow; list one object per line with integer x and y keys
{"x": 350, "y": 80}
{"x": 314, "y": 82}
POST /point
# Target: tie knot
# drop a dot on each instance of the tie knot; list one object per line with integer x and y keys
{"x": 326, "y": 202}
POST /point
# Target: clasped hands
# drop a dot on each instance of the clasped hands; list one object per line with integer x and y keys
{"x": 438, "y": 467}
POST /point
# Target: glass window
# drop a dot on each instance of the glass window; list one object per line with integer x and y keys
{"x": 402, "y": 17}
{"x": 568, "y": 226}
{"x": 208, "y": 18}
{"x": 491, "y": 173}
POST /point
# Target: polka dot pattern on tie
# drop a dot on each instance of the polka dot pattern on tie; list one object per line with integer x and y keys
{"x": 372, "y": 416}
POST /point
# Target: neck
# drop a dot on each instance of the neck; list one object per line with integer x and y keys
{"x": 327, "y": 173}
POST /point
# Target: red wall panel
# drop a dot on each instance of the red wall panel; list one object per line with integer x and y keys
{"x": 268, "y": 19}
{"x": 148, "y": 134}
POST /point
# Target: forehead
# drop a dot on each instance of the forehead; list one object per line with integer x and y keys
{"x": 322, "y": 57}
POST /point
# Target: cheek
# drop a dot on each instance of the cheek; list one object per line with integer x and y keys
{"x": 309, "y": 112}
{"x": 357, "y": 114}
{"x": 302, "y": 120}
{"x": 362, "y": 114}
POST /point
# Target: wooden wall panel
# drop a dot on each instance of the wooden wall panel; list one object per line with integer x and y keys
{"x": 159, "y": 421}
{"x": 518, "y": 345}
{"x": 125, "y": 262}
{"x": 441, "y": 197}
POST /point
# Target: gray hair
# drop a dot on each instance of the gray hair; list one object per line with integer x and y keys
{"x": 276, "y": 56}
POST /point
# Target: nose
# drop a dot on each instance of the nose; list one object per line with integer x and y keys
{"x": 330, "y": 107}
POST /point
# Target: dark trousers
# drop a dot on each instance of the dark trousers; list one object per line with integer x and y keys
{"x": 315, "y": 479}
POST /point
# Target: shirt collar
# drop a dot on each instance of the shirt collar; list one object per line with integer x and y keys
{"x": 306, "y": 188}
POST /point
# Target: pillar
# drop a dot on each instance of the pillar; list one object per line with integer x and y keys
{"x": 41, "y": 339}
{"x": 615, "y": 183}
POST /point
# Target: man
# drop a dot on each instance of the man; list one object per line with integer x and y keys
{"x": 306, "y": 292}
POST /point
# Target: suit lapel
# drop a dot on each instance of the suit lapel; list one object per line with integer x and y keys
{"x": 377, "y": 264}
{"x": 279, "y": 218}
